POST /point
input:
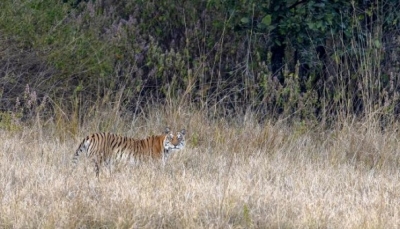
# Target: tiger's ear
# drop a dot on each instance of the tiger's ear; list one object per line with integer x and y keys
{"x": 183, "y": 132}
{"x": 167, "y": 130}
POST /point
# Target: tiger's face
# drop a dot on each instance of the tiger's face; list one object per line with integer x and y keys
{"x": 174, "y": 142}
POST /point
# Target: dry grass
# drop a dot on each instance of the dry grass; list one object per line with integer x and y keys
{"x": 231, "y": 175}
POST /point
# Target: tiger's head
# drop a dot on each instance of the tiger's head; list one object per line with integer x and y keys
{"x": 174, "y": 142}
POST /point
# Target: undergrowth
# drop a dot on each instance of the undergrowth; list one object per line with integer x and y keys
{"x": 234, "y": 172}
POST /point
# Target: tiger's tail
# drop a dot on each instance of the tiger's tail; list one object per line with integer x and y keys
{"x": 83, "y": 147}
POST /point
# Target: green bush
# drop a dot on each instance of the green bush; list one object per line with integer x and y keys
{"x": 218, "y": 55}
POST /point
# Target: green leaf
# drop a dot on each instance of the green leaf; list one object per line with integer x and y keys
{"x": 377, "y": 43}
{"x": 266, "y": 20}
{"x": 311, "y": 25}
{"x": 245, "y": 20}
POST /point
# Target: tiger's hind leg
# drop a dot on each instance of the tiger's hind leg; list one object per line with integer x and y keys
{"x": 110, "y": 165}
{"x": 97, "y": 168}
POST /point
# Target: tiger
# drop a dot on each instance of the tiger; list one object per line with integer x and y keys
{"x": 107, "y": 148}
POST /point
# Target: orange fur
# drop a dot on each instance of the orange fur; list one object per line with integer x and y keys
{"x": 107, "y": 147}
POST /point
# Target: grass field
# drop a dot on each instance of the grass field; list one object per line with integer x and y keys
{"x": 232, "y": 174}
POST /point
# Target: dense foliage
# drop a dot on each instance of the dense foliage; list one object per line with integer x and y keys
{"x": 310, "y": 60}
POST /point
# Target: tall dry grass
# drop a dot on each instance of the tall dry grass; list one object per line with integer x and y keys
{"x": 233, "y": 173}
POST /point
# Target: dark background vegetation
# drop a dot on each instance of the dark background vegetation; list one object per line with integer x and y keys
{"x": 313, "y": 60}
